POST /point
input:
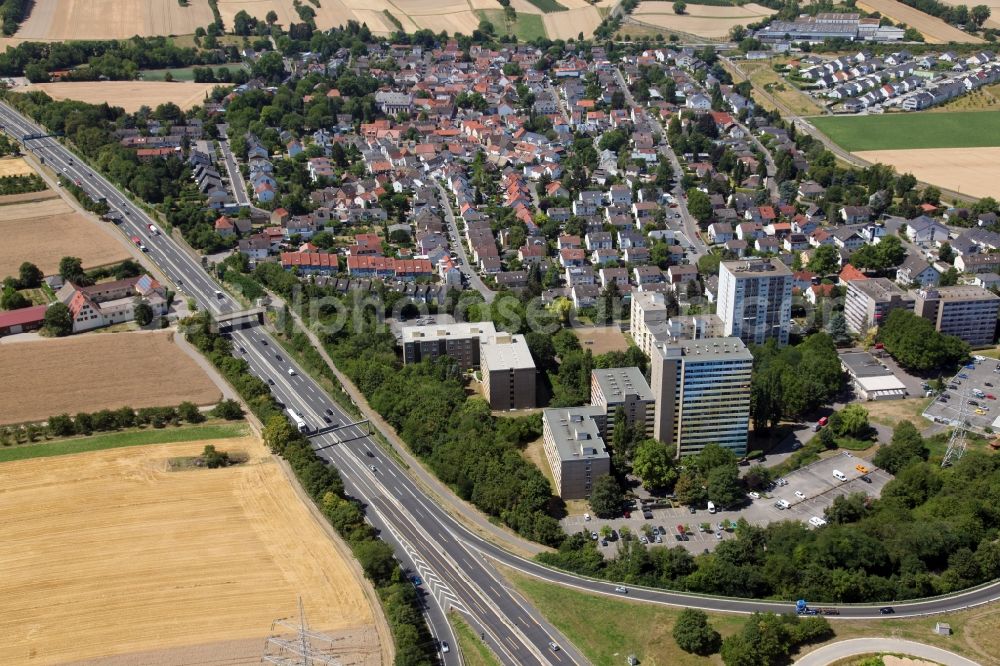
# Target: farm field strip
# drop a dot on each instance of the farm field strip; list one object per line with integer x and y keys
{"x": 974, "y": 171}
{"x": 569, "y": 24}
{"x": 14, "y": 166}
{"x": 112, "y": 19}
{"x": 960, "y": 129}
{"x": 110, "y": 553}
{"x": 702, "y": 20}
{"x": 130, "y": 95}
{"x": 934, "y": 30}
{"x": 26, "y": 218}
{"x": 97, "y": 371}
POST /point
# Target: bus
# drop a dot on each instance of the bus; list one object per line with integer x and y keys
{"x": 299, "y": 422}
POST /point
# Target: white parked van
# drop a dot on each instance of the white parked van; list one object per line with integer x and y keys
{"x": 837, "y": 474}
{"x": 711, "y": 507}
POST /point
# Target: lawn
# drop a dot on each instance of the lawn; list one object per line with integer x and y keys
{"x": 606, "y": 629}
{"x": 115, "y": 440}
{"x": 891, "y": 412}
{"x": 960, "y": 129}
{"x": 549, "y": 6}
{"x": 184, "y": 73}
{"x": 526, "y": 27}
{"x": 474, "y": 651}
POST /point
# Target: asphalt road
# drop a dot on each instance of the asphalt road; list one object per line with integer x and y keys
{"x": 454, "y": 562}
{"x": 237, "y": 184}
{"x": 834, "y": 652}
{"x": 455, "y": 241}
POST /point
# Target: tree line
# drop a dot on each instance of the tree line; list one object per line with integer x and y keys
{"x": 414, "y": 644}
{"x": 111, "y": 420}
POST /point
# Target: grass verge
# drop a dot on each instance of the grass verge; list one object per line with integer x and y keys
{"x": 474, "y": 651}
{"x": 607, "y": 629}
{"x": 115, "y": 440}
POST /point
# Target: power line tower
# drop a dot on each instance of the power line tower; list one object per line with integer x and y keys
{"x": 305, "y": 649}
{"x": 957, "y": 442}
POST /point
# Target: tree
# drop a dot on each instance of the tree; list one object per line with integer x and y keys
{"x": 852, "y": 421}
{"x": 654, "y": 464}
{"x": 11, "y": 299}
{"x": 723, "y": 485}
{"x": 278, "y": 433}
{"x": 271, "y": 17}
{"x": 61, "y": 425}
{"x": 606, "y": 497}
{"x": 699, "y": 205}
{"x": 214, "y": 458}
{"x": 71, "y": 269}
{"x": 906, "y": 448}
{"x": 376, "y": 559}
{"x": 949, "y": 278}
{"x": 916, "y": 345}
{"x": 229, "y": 410}
{"x": 58, "y": 320}
{"x": 946, "y": 253}
{"x": 679, "y": 7}
{"x": 825, "y": 260}
{"x": 189, "y": 412}
{"x": 838, "y": 329}
{"x": 30, "y": 276}
{"x": 690, "y": 489}
{"x": 694, "y": 634}
{"x": 980, "y": 14}
{"x": 143, "y": 313}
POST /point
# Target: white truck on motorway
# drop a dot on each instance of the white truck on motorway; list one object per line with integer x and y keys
{"x": 299, "y": 422}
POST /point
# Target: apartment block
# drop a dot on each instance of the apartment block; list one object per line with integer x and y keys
{"x": 869, "y": 302}
{"x": 575, "y": 449}
{"x": 623, "y": 390}
{"x": 702, "y": 393}
{"x": 965, "y": 311}
{"x": 508, "y": 372}
{"x": 650, "y": 323}
{"x": 755, "y": 299}
{"x": 458, "y": 341}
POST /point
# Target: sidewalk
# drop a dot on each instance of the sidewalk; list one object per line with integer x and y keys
{"x": 438, "y": 492}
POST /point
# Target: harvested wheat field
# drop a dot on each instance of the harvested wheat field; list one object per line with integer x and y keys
{"x": 112, "y": 19}
{"x": 329, "y": 13}
{"x": 129, "y": 95}
{"x": 14, "y": 166}
{"x": 87, "y": 373}
{"x": 45, "y": 231}
{"x": 707, "y": 21}
{"x": 569, "y": 24}
{"x": 974, "y": 171}
{"x": 934, "y": 30}
{"x": 111, "y": 553}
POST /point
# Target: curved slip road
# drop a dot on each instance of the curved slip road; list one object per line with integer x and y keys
{"x": 829, "y": 654}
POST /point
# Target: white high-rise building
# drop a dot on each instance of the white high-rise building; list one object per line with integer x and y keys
{"x": 755, "y": 299}
{"x": 702, "y": 392}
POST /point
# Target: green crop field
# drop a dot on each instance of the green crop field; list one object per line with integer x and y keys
{"x": 526, "y": 27}
{"x": 185, "y": 73}
{"x": 901, "y": 131}
{"x": 548, "y": 6}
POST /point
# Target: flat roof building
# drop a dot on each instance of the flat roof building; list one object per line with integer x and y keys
{"x": 623, "y": 390}
{"x": 869, "y": 301}
{"x": 702, "y": 392}
{"x": 965, "y": 311}
{"x": 508, "y": 372}
{"x": 755, "y": 300}
{"x": 574, "y": 449}
{"x": 458, "y": 341}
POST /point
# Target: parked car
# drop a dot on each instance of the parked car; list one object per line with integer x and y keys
{"x": 801, "y": 495}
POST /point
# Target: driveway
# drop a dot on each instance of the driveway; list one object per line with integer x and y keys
{"x": 834, "y": 652}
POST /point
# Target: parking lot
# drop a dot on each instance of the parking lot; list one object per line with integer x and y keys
{"x": 816, "y": 483}
{"x": 979, "y": 411}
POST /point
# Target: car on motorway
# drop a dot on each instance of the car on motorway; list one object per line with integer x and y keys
{"x": 270, "y": 381}
{"x": 369, "y": 454}
{"x": 887, "y": 610}
{"x": 553, "y": 646}
{"x": 327, "y": 419}
{"x": 621, "y": 589}
{"x": 242, "y": 350}
{"x": 291, "y": 372}
{"x": 329, "y": 411}
{"x": 153, "y": 230}
{"x": 372, "y": 468}
{"x": 263, "y": 342}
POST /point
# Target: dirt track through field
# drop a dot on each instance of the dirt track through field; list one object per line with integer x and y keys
{"x": 86, "y": 373}
{"x": 974, "y": 171}
{"x": 110, "y": 553}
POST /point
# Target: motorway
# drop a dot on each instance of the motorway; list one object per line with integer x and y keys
{"x": 455, "y": 564}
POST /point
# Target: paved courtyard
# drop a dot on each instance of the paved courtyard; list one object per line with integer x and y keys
{"x": 816, "y": 482}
